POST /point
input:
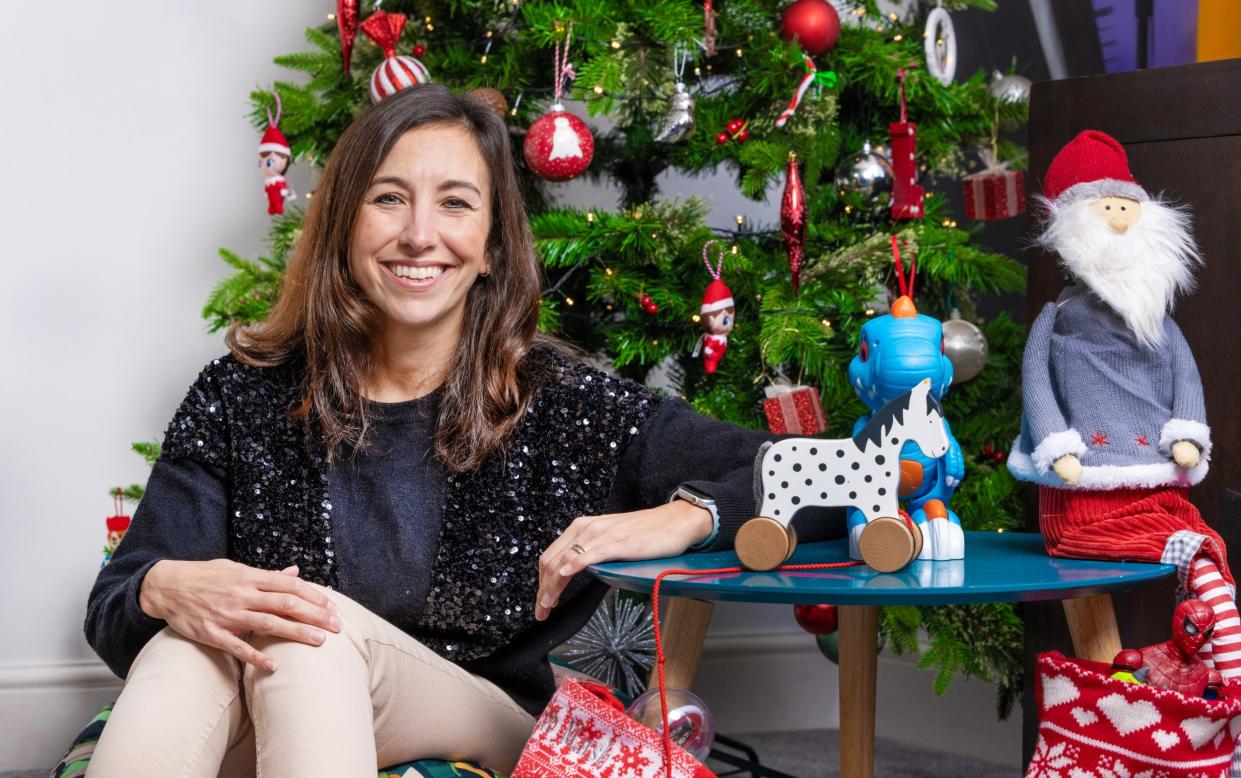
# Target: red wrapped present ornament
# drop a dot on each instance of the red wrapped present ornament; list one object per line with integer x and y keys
{"x": 1093, "y": 724}
{"x": 995, "y": 194}
{"x": 584, "y": 733}
{"x": 794, "y": 410}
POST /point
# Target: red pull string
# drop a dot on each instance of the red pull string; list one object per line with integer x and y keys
{"x": 659, "y": 643}
{"x": 906, "y": 287}
{"x": 900, "y": 77}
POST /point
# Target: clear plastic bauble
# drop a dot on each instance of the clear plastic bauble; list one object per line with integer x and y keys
{"x": 689, "y": 720}
{"x": 867, "y": 173}
{"x": 1010, "y": 88}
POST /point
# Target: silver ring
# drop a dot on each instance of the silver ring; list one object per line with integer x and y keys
{"x": 577, "y": 548}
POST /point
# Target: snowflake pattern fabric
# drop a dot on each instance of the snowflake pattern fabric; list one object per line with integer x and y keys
{"x": 1094, "y": 726}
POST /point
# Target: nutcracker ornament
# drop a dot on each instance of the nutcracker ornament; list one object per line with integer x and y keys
{"x": 397, "y": 71}
{"x": 118, "y": 525}
{"x": 1114, "y": 427}
{"x": 559, "y": 145}
{"x": 907, "y": 196}
{"x": 793, "y": 221}
{"x": 717, "y": 313}
{"x": 274, "y": 156}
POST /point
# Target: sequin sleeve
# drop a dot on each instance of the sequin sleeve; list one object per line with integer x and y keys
{"x": 679, "y": 446}
{"x": 199, "y": 428}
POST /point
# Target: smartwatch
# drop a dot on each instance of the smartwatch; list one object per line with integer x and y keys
{"x": 695, "y": 497}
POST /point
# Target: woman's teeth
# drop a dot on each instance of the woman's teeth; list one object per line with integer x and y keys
{"x": 416, "y": 273}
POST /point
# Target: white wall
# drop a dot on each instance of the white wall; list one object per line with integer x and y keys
{"x": 129, "y": 161}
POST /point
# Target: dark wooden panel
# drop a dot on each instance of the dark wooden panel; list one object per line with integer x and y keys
{"x": 1183, "y": 138}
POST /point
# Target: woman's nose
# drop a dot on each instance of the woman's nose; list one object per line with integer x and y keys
{"x": 419, "y": 232}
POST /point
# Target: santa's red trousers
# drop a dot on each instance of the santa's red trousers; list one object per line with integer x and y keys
{"x": 1134, "y": 525}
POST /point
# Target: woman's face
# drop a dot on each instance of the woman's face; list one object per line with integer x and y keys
{"x": 421, "y": 234}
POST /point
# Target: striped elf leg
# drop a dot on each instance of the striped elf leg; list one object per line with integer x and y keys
{"x": 1224, "y": 650}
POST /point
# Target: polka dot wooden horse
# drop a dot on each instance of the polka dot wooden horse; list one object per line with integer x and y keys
{"x": 863, "y": 472}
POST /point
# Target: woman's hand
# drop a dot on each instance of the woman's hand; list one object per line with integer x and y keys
{"x": 647, "y": 534}
{"x": 213, "y": 602}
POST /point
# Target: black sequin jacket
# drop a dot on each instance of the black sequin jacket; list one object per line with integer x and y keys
{"x": 590, "y": 443}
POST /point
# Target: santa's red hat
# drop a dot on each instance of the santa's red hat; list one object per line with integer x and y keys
{"x": 273, "y": 140}
{"x": 1093, "y": 164}
{"x": 717, "y": 297}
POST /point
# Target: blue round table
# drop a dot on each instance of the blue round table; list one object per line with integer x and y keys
{"x": 999, "y": 567}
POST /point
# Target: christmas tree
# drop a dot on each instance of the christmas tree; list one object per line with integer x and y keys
{"x": 772, "y": 97}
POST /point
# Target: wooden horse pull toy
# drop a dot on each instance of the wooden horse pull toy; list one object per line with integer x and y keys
{"x": 863, "y": 472}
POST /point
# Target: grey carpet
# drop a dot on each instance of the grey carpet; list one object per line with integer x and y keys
{"x": 815, "y": 753}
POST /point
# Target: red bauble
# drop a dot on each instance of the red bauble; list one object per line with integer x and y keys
{"x": 816, "y": 619}
{"x": 558, "y": 145}
{"x": 648, "y": 305}
{"x": 419, "y": 50}
{"x": 814, "y": 23}
{"x": 722, "y": 138}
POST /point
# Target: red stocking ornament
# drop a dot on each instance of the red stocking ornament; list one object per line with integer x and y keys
{"x": 907, "y": 196}
{"x": 274, "y": 156}
{"x": 396, "y": 72}
{"x": 717, "y": 314}
{"x": 559, "y": 145}
{"x": 793, "y": 221}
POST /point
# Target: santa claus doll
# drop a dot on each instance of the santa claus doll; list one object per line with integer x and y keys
{"x": 1114, "y": 427}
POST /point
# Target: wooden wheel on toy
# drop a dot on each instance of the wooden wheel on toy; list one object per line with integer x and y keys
{"x": 888, "y": 544}
{"x": 765, "y": 544}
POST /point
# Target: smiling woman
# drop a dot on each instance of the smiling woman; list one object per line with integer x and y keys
{"x": 369, "y": 521}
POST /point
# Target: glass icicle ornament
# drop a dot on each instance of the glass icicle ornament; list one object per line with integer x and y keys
{"x": 617, "y": 645}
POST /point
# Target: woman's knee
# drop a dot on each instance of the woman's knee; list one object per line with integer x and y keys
{"x": 173, "y": 652}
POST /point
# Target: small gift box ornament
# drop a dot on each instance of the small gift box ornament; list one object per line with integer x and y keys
{"x": 994, "y": 193}
{"x": 794, "y": 410}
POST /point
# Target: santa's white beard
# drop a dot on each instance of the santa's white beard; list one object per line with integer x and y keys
{"x": 1138, "y": 274}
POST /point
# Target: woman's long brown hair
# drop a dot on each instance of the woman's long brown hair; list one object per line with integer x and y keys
{"x": 323, "y": 321}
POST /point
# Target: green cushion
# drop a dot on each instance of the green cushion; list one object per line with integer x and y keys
{"x": 73, "y": 765}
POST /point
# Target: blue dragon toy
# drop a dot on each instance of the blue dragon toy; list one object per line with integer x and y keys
{"x": 896, "y": 352}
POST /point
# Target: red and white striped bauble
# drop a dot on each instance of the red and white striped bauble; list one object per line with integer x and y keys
{"x": 397, "y": 73}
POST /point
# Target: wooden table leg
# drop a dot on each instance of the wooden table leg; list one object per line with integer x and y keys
{"x": 683, "y": 628}
{"x": 859, "y": 649}
{"x": 1092, "y": 625}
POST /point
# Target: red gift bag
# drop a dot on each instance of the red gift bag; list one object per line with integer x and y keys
{"x": 584, "y": 733}
{"x": 1091, "y": 724}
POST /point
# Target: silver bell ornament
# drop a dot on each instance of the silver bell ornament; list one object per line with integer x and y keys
{"x": 867, "y": 173}
{"x": 965, "y": 346}
{"x": 678, "y": 122}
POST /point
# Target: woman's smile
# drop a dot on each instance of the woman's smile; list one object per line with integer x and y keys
{"x": 416, "y": 277}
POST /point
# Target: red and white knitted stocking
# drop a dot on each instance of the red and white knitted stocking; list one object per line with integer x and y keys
{"x": 1224, "y": 651}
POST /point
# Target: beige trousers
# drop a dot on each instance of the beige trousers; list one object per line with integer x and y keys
{"x": 368, "y": 697}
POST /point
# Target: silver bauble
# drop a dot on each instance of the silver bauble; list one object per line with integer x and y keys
{"x": 867, "y": 173}
{"x": 678, "y": 122}
{"x": 1010, "y": 88}
{"x": 966, "y": 348}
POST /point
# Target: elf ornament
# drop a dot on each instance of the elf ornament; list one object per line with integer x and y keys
{"x": 347, "y": 23}
{"x": 1113, "y": 423}
{"x": 559, "y": 145}
{"x": 907, "y": 196}
{"x": 118, "y": 525}
{"x": 274, "y": 156}
{"x": 793, "y": 221}
{"x": 396, "y": 72}
{"x": 717, "y": 313}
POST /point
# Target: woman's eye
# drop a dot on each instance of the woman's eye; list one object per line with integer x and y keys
{"x": 456, "y": 202}
{"x": 388, "y": 199}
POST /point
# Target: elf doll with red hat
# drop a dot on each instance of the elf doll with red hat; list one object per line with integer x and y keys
{"x": 274, "y": 156}
{"x": 717, "y": 313}
{"x": 1114, "y": 427}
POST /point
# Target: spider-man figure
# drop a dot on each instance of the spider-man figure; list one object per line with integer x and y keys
{"x": 1174, "y": 664}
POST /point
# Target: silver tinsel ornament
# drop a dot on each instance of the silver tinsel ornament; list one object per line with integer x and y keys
{"x": 678, "y": 122}
{"x": 965, "y": 346}
{"x": 867, "y": 173}
{"x": 617, "y": 645}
